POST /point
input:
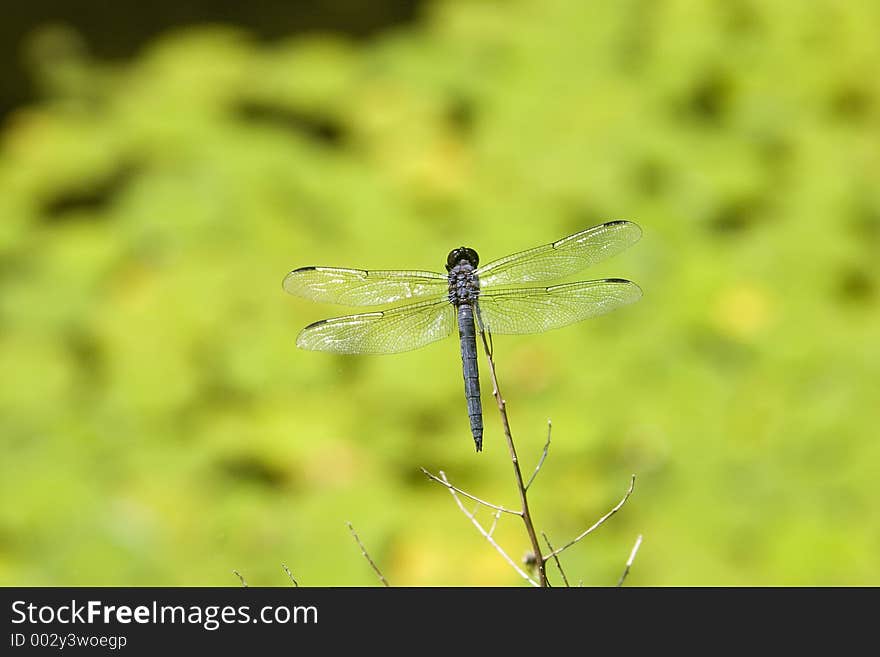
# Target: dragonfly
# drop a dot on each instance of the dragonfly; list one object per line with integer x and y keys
{"x": 488, "y": 299}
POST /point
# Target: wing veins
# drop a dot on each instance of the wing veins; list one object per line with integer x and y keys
{"x": 362, "y": 287}
{"x": 391, "y": 331}
{"x": 538, "y": 309}
{"x": 563, "y": 257}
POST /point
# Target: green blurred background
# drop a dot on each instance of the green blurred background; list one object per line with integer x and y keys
{"x": 159, "y": 427}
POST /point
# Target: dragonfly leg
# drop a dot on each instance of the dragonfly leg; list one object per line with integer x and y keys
{"x": 485, "y": 331}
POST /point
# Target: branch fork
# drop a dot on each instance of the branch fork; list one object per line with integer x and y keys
{"x": 523, "y": 512}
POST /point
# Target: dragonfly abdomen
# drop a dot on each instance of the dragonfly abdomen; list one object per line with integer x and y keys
{"x": 467, "y": 332}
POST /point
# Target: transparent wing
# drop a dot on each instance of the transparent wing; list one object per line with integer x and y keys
{"x": 388, "y": 332}
{"x": 562, "y": 258}
{"x": 537, "y": 309}
{"x": 359, "y": 287}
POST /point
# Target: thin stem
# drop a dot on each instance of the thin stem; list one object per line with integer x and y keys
{"x": 488, "y": 535}
{"x": 494, "y": 522}
{"x": 629, "y": 562}
{"x": 598, "y": 523}
{"x": 526, "y": 516}
{"x": 446, "y": 483}
{"x": 367, "y": 556}
{"x": 240, "y": 578}
{"x": 543, "y": 455}
{"x": 556, "y": 559}
{"x": 290, "y": 575}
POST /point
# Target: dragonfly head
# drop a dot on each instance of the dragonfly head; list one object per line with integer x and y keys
{"x": 462, "y": 253}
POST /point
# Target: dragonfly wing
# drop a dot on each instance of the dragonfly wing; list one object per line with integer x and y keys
{"x": 359, "y": 287}
{"x": 537, "y": 309}
{"x": 562, "y": 258}
{"x": 387, "y": 332}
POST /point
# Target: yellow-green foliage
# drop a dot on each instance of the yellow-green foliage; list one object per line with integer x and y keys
{"x": 159, "y": 427}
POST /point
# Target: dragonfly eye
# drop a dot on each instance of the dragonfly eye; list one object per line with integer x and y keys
{"x": 462, "y": 253}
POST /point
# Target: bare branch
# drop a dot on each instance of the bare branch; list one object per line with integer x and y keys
{"x": 525, "y": 514}
{"x": 367, "y": 556}
{"x": 494, "y": 522}
{"x": 444, "y": 482}
{"x": 598, "y": 523}
{"x": 629, "y": 562}
{"x": 555, "y": 557}
{"x": 240, "y": 578}
{"x": 290, "y": 575}
{"x": 539, "y": 559}
{"x": 543, "y": 454}
{"x": 486, "y": 534}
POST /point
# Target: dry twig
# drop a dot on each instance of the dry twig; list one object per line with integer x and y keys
{"x": 445, "y": 482}
{"x": 598, "y": 523}
{"x": 629, "y": 562}
{"x": 290, "y": 575}
{"x": 487, "y": 535}
{"x": 367, "y": 556}
{"x": 555, "y": 558}
{"x": 494, "y": 522}
{"x": 543, "y": 455}
{"x": 525, "y": 514}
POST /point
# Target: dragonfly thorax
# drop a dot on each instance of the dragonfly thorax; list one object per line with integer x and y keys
{"x": 464, "y": 285}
